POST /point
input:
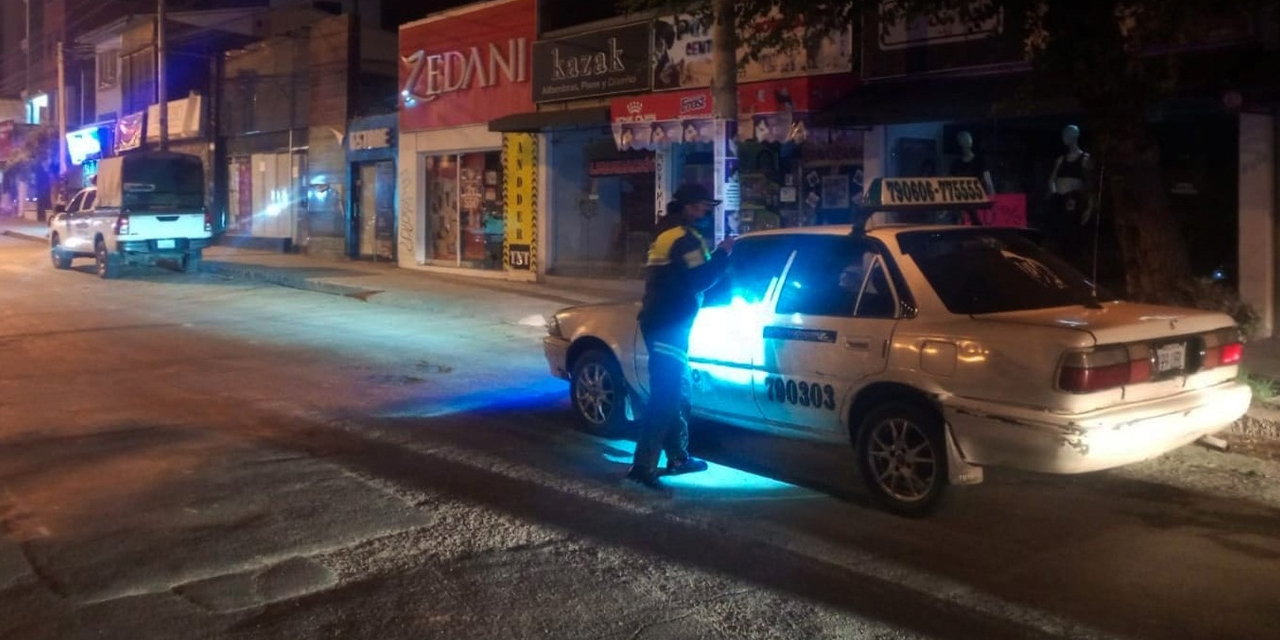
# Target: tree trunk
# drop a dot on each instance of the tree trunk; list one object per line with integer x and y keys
{"x": 1156, "y": 263}
{"x": 724, "y": 60}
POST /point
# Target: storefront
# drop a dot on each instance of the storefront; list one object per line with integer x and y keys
{"x": 461, "y": 199}
{"x": 371, "y": 161}
{"x": 608, "y": 183}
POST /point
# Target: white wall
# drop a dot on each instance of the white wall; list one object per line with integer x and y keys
{"x": 1257, "y": 216}
{"x": 110, "y": 99}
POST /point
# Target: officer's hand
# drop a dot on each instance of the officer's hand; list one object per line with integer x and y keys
{"x": 727, "y": 244}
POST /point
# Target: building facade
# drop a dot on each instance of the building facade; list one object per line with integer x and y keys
{"x": 467, "y": 195}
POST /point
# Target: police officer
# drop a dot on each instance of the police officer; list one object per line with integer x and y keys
{"x": 679, "y": 269}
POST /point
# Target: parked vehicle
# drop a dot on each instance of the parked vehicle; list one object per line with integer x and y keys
{"x": 935, "y": 351}
{"x": 145, "y": 207}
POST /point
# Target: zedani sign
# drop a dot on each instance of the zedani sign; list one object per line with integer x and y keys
{"x": 599, "y": 63}
{"x": 466, "y": 66}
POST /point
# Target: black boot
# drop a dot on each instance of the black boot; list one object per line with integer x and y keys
{"x": 688, "y": 465}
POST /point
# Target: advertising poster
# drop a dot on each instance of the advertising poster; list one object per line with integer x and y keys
{"x": 682, "y": 54}
{"x": 129, "y": 130}
{"x": 520, "y": 176}
{"x": 944, "y": 41}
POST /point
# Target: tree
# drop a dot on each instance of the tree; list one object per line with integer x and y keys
{"x": 1121, "y": 57}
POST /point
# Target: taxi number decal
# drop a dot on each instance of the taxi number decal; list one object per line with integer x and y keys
{"x": 805, "y": 394}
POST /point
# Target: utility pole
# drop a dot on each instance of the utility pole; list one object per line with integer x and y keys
{"x": 162, "y": 89}
{"x": 61, "y": 61}
{"x": 724, "y": 61}
{"x": 724, "y": 106}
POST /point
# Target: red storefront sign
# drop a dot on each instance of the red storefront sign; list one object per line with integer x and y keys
{"x": 657, "y": 107}
{"x": 467, "y": 66}
{"x": 805, "y": 94}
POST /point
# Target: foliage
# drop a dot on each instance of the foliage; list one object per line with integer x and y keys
{"x": 38, "y": 149}
{"x": 1203, "y": 293}
{"x": 1264, "y": 389}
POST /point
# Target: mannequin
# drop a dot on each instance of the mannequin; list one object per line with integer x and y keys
{"x": 1071, "y": 209}
{"x": 969, "y": 165}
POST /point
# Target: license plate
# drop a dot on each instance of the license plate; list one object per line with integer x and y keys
{"x": 1171, "y": 357}
{"x": 165, "y": 244}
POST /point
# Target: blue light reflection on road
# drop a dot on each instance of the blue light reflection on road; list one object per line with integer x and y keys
{"x": 531, "y": 394}
{"x": 717, "y": 477}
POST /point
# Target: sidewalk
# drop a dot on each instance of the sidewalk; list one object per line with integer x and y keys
{"x": 373, "y": 282}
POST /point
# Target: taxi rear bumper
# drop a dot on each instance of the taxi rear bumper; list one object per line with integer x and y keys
{"x": 990, "y": 434}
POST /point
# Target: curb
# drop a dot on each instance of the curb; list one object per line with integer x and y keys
{"x": 293, "y": 282}
{"x": 18, "y": 235}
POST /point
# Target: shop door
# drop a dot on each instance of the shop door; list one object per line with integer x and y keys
{"x": 367, "y": 213}
{"x": 375, "y": 221}
{"x": 273, "y": 206}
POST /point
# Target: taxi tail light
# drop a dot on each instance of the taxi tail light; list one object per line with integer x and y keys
{"x": 1103, "y": 368}
{"x": 208, "y": 222}
{"x": 122, "y": 225}
{"x": 1222, "y": 349}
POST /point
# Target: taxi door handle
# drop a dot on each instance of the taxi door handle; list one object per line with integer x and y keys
{"x": 857, "y": 344}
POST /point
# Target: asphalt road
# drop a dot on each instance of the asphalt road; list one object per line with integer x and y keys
{"x": 190, "y": 457}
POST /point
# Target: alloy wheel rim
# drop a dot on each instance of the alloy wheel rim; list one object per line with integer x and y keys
{"x": 595, "y": 393}
{"x": 902, "y": 459}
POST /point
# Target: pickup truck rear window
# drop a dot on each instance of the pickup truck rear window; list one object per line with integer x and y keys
{"x": 976, "y": 271}
{"x": 163, "y": 183}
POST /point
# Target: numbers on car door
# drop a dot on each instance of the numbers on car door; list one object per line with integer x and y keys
{"x": 803, "y": 393}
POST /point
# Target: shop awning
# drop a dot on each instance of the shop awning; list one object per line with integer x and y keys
{"x": 535, "y": 121}
{"x": 951, "y": 98}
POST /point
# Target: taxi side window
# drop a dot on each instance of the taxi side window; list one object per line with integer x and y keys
{"x": 89, "y": 198}
{"x": 754, "y": 268}
{"x": 838, "y": 277}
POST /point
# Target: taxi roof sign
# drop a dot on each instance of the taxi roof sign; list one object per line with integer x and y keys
{"x": 926, "y": 193}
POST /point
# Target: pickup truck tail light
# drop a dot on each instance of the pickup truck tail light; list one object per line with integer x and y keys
{"x": 1222, "y": 349}
{"x": 122, "y": 225}
{"x": 208, "y": 222}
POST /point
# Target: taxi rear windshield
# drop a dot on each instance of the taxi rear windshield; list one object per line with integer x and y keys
{"x": 976, "y": 271}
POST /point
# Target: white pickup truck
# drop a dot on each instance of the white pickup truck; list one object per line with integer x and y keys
{"x": 145, "y": 207}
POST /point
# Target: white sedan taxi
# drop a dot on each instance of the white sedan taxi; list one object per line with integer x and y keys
{"x": 935, "y": 350}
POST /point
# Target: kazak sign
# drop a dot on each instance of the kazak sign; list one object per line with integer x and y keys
{"x": 599, "y": 63}
{"x": 931, "y": 192}
{"x": 466, "y": 66}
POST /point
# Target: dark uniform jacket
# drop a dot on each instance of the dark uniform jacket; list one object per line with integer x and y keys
{"x": 680, "y": 268}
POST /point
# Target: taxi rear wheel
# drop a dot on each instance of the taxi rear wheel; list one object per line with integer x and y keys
{"x": 599, "y": 392}
{"x": 902, "y": 457}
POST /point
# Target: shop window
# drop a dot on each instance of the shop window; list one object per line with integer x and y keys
{"x": 465, "y": 216}
{"x": 108, "y": 68}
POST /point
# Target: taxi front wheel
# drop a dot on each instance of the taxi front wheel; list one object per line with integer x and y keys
{"x": 902, "y": 457}
{"x": 599, "y": 392}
